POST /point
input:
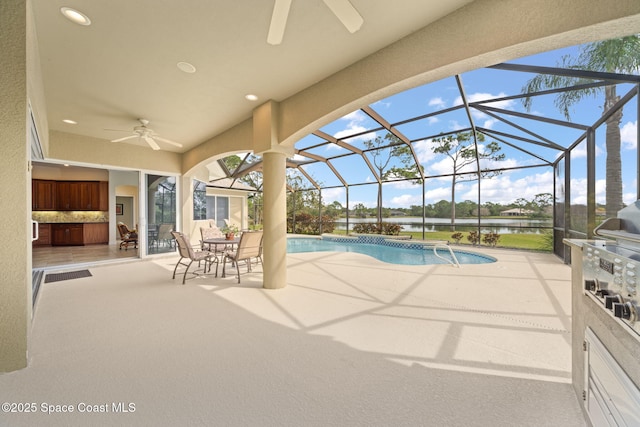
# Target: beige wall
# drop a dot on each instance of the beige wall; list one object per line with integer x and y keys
{"x": 62, "y": 173}
{"x": 68, "y": 147}
{"x": 15, "y": 191}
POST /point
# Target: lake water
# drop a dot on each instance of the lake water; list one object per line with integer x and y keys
{"x": 497, "y": 225}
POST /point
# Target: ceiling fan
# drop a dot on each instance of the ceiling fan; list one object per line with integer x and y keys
{"x": 343, "y": 9}
{"x": 142, "y": 131}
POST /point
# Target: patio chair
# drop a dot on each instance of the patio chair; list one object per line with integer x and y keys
{"x": 127, "y": 237}
{"x": 249, "y": 247}
{"x": 189, "y": 255}
{"x": 164, "y": 234}
{"x": 212, "y": 232}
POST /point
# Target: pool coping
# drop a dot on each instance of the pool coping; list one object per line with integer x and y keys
{"x": 392, "y": 241}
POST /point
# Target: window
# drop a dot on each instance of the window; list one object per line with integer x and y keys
{"x": 199, "y": 200}
{"x": 209, "y": 207}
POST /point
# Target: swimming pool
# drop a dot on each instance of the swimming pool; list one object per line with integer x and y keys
{"x": 406, "y": 253}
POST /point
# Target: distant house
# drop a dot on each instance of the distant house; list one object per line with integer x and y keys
{"x": 516, "y": 212}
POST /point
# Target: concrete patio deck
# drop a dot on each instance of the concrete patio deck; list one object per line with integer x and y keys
{"x": 350, "y": 341}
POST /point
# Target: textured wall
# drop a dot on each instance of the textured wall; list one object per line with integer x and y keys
{"x": 15, "y": 191}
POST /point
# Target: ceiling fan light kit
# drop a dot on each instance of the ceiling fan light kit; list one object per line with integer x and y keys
{"x": 342, "y": 9}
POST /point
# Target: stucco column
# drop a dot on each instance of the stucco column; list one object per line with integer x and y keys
{"x": 266, "y": 122}
{"x": 275, "y": 220}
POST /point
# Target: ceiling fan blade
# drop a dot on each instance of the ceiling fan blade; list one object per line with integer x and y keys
{"x": 278, "y": 21}
{"x": 168, "y": 141}
{"x": 151, "y": 142}
{"x": 346, "y": 13}
{"x": 124, "y": 139}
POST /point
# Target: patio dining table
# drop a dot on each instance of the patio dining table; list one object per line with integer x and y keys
{"x": 221, "y": 241}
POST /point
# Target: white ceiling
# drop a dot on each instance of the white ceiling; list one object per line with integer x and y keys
{"x": 123, "y": 66}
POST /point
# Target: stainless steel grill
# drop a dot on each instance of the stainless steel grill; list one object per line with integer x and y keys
{"x": 612, "y": 266}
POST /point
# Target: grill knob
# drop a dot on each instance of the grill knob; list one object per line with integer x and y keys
{"x": 609, "y": 300}
{"x": 590, "y": 285}
{"x": 623, "y": 311}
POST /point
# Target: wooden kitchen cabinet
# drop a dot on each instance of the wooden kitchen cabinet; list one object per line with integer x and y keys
{"x": 82, "y": 195}
{"x": 43, "y": 195}
{"x": 96, "y": 233}
{"x": 63, "y": 195}
{"x": 44, "y": 235}
{"x": 67, "y": 234}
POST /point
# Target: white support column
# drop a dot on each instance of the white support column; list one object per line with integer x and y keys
{"x": 275, "y": 220}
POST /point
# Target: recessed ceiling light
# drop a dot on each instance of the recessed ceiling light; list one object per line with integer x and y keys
{"x": 66, "y": 165}
{"x": 75, "y": 16}
{"x": 69, "y": 121}
{"x": 186, "y": 67}
{"x": 251, "y": 97}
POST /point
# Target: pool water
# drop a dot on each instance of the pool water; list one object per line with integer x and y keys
{"x": 385, "y": 253}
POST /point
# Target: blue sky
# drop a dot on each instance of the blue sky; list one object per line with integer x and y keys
{"x": 506, "y": 188}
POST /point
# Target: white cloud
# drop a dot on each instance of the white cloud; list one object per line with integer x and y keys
{"x": 503, "y": 189}
{"x": 404, "y": 200}
{"x": 433, "y": 120}
{"x": 437, "y": 102}
{"x": 353, "y": 126}
{"x": 581, "y": 151}
{"x": 629, "y": 135}
{"x": 424, "y": 150}
{"x": 489, "y": 123}
{"x": 332, "y": 194}
{"x": 436, "y": 194}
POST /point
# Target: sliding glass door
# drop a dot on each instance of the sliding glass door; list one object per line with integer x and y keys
{"x": 161, "y": 213}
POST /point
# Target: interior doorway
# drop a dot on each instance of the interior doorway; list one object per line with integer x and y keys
{"x": 125, "y": 211}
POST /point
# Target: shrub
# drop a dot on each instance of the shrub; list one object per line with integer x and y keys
{"x": 474, "y": 237}
{"x": 365, "y": 228}
{"x": 371, "y": 228}
{"x": 310, "y": 224}
{"x": 391, "y": 229}
{"x": 457, "y": 237}
{"x": 491, "y": 238}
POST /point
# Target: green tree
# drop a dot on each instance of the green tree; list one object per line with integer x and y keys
{"x": 521, "y": 204}
{"x": 617, "y": 55}
{"x": 463, "y": 151}
{"x": 334, "y": 209}
{"x": 360, "y": 210}
{"x": 540, "y": 203}
{"x": 385, "y": 149}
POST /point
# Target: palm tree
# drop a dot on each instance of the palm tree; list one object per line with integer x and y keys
{"x": 617, "y": 55}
